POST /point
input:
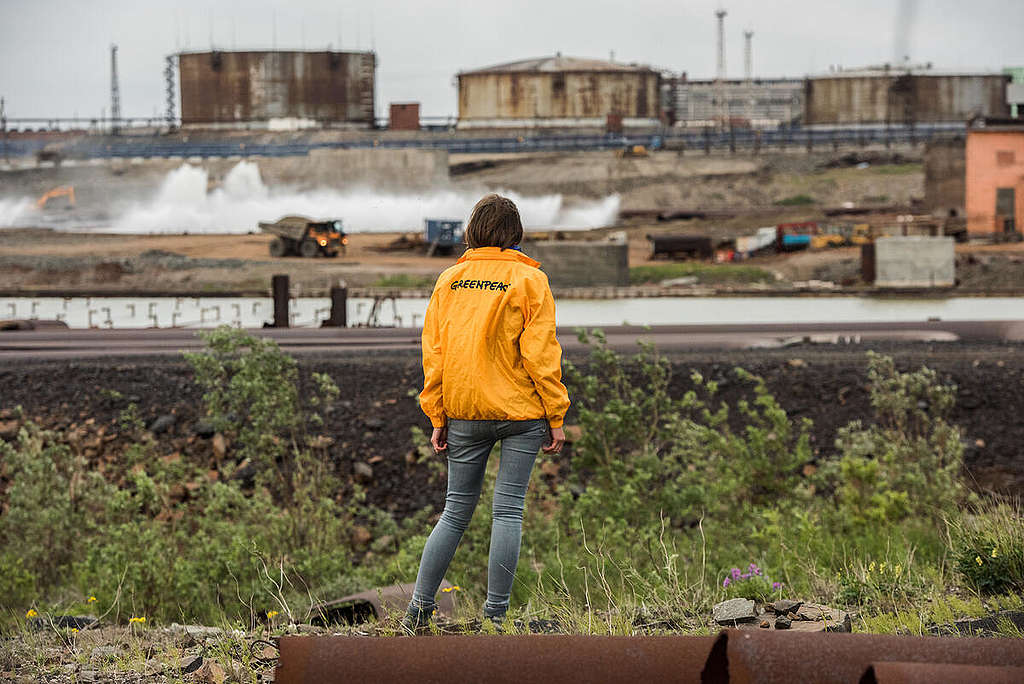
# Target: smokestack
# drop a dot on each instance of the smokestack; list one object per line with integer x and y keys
{"x": 748, "y": 56}
{"x": 115, "y": 94}
{"x": 720, "y": 13}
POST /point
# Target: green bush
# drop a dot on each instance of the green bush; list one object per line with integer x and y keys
{"x": 908, "y": 463}
{"x": 988, "y": 547}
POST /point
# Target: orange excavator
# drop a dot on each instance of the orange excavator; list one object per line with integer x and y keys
{"x": 63, "y": 191}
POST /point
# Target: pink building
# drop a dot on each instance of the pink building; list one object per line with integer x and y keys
{"x": 995, "y": 177}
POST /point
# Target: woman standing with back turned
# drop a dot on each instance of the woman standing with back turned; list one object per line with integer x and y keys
{"x": 492, "y": 372}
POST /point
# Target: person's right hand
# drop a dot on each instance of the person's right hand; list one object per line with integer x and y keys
{"x": 439, "y": 439}
{"x": 557, "y": 440}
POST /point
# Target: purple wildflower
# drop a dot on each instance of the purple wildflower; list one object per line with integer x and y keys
{"x": 725, "y": 582}
{"x": 736, "y": 573}
{"x": 776, "y": 586}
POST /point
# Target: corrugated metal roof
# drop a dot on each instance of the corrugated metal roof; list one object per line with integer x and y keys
{"x": 558, "y": 63}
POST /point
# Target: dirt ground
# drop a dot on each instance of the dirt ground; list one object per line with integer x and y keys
{"x": 372, "y": 420}
{"x": 41, "y": 259}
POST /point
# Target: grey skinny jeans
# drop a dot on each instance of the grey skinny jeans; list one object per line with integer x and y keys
{"x": 469, "y": 444}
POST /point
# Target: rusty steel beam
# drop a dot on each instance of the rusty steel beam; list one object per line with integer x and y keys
{"x": 493, "y": 659}
{"x": 768, "y": 657}
{"x": 930, "y": 673}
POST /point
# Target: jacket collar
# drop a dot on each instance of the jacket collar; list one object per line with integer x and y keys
{"x": 497, "y": 254}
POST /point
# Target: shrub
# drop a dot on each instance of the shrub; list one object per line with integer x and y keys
{"x": 906, "y": 465}
{"x": 988, "y": 547}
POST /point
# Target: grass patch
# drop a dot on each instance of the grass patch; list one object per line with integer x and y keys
{"x": 795, "y": 201}
{"x": 897, "y": 169}
{"x": 405, "y": 281}
{"x": 707, "y": 274}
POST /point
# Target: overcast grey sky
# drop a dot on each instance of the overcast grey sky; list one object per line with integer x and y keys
{"x": 55, "y": 59}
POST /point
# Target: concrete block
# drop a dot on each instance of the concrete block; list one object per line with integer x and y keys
{"x": 572, "y": 263}
{"x": 914, "y": 261}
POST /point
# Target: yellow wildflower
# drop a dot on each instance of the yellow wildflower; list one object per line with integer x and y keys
{"x": 898, "y": 569}
{"x": 31, "y": 613}
{"x": 871, "y": 568}
{"x": 881, "y": 568}
{"x": 994, "y": 554}
{"x": 977, "y": 559}
{"x": 74, "y": 630}
{"x": 271, "y": 614}
{"x": 136, "y": 620}
{"x": 449, "y": 589}
{"x": 92, "y": 599}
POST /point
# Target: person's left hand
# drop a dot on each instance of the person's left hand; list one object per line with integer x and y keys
{"x": 439, "y": 439}
{"x": 557, "y": 440}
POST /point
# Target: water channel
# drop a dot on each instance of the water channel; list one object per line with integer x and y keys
{"x": 253, "y": 312}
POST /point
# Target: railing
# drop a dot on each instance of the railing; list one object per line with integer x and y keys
{"x": 685, "y": 141}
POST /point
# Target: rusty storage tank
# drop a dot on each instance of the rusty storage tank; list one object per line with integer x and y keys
{"x": 902, "y": 96}
{"x": 277, "y": 89}
{"x": 558, "y": 92}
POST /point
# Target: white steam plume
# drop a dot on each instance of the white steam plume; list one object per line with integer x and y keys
{"x": 184, "y": 205}
{"x": 15, "y": 211}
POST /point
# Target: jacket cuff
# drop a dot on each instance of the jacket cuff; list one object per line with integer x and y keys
{"x": 438, "y": 421}
{"x": 556, "y": 421}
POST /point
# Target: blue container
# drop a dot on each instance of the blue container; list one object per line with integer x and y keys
{"x": 446, "y": 232}
{"x": 791, "y": 241}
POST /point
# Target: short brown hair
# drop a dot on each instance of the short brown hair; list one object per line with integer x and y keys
{"x": 494, "y": 222}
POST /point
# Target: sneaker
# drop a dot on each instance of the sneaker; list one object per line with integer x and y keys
{"x": 498, "y": 621}
{"x": 416, "y": 621}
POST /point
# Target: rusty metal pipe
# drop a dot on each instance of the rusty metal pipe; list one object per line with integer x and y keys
{"x": 494, "y": 659}
{"x": 930, "y": 673}
{"x": 767, "y": 657}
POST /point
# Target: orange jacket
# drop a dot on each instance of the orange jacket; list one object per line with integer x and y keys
{"x": 489, "y": 347}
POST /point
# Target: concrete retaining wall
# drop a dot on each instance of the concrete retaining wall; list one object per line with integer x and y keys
{"x": 577, "y": 264}
{"x": 916, "y": 261}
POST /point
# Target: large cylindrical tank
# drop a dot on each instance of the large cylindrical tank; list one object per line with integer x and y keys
{"x": 898, "y": 97}
{"x": 223, "y": 88}
{"x": 558, "y": 91}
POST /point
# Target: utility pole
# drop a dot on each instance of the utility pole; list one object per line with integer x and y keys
{"x": 115, "y": 94}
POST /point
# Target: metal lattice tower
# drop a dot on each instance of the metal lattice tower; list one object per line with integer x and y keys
{"x": 115, "y": 94}
{"x": 169, "y": 65}
{"x": 720, "y": 14}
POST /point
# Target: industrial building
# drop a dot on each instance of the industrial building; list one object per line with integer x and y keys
{"x": 277, "y": 89}
{"x": 995, "y": 177}
{"x": 902, "y": 96}
{"x": 760, "y": 103}
{"x": 555, "y": 92}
